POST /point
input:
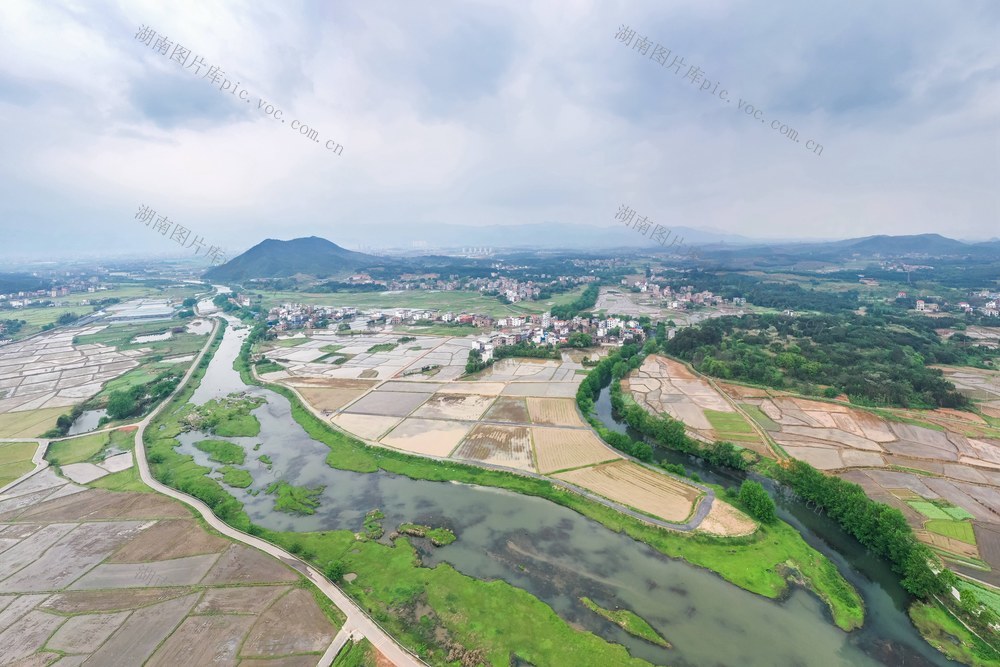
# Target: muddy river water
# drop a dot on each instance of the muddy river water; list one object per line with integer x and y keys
{"x": 559, "y": 556}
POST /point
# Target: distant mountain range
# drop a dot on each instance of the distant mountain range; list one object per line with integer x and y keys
{"x": 311, "y": 256}
{"x": 315, "y": 257}
{"x": 561, "y": 236}
{"x": 913, "y": 246}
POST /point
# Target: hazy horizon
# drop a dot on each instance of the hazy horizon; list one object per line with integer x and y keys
{"x": 493, "y": 115}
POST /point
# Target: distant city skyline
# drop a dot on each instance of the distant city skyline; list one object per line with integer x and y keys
{"x": 491, "y": 114}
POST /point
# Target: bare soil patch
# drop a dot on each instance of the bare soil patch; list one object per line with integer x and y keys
{"x": 388, "y": 403}
{"x": 239, "y": 600}
{"x": 508, "y": 409}
{"x": 369, "y": 427}
{"x": 139, "y": 636}
{"x": 79, "y": 602}
{"x": 639, "y": 487}
{"x": 293, "y": 624}
{"x": 499, "y": 445}
{"x": 100, "y": 504}
{"x": 83, "y": 634}
{"x": 241, "y": 564}
{"x": 724, "y": 519}
{"x": 427, "y": 436}
{"x": 329, "y": 399}
{"x": 454, "y": 406}
{"x": 203, "y": 640}
{"x": 562, "y": 448}
{"x": 169, "y": 539}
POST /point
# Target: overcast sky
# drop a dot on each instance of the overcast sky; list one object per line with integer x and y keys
{"x": 480, "y": 113}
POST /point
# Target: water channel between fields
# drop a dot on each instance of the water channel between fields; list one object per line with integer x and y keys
{"x": 559, "y": 555}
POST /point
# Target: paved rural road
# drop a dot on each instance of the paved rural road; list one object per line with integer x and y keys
{"x": 357, "y": 621}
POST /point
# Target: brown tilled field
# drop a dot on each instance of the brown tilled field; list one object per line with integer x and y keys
{"x": 634, "y": 485}
{"x": 508, "y": 409}
{"x": 328, "y": 399}
{"x": 554, "y": 411}
{"x": 500, "y": 445}
{"x": 562, "y": 448}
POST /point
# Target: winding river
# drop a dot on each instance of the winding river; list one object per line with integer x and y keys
{"x": 559, "y": 555}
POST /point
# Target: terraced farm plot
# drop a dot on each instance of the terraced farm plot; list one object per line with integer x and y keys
{"x": 639, "y": 487}
{"x": 500, "y": 445}
{"x": 563, "y": 448}
{"x": 508, "y": 409}
{"x": 454, "y": 406}
{"x": 554, "y": 411}
{"x": 427, "y": 436}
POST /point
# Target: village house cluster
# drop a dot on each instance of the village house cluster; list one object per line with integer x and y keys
{"x": 683, "y": 297}
{"x": 43, "y": 297}
{"x": 539, "y": 329}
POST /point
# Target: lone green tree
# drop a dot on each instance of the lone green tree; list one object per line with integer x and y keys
{"x": 335, "y": 570}
{"x": 760, "y": 505}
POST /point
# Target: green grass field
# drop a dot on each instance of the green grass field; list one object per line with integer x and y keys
{"x": 957, "y": 513}
{"x": 15, "y": 460}
{"x": 929, "y": 509}
{"x": 731, "y": 426}
{"x": 438, "y": 329}
{"x": 123, "y": 480}
{"x": 288, "y": 342}
{"x": 76, "y": 450}
{"x": 958, "y": 530}
{"x": 454, "y": 301}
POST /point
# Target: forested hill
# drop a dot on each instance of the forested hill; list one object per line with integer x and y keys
{"x": 876, "y": 359}
{"x": 310, "y": 256}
